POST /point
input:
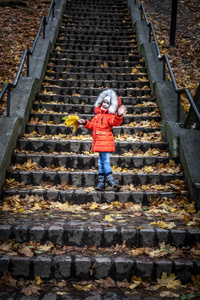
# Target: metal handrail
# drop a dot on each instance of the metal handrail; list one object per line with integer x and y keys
{"x": 165, "y": 60}
{"x": 8, "y": 86}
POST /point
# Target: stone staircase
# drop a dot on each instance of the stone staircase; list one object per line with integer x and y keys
{"x": 57, "y": 226}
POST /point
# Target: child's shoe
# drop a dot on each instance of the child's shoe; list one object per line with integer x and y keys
{"x": 101, "y": 184}
{"x": 110, "y": 180}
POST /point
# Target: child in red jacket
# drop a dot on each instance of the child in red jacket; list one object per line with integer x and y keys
{"x": 109, "y": 113}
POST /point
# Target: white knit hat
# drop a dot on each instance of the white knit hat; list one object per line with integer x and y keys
{"x": 108, "y": 99}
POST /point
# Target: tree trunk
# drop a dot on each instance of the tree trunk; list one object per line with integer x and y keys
{"x": 191, "y": 121}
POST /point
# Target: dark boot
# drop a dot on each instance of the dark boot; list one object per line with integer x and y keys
{"x": 101, "y": 184}
{"x": 110, "y": 180}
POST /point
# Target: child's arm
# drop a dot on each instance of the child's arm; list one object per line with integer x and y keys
{"x": 121, "y": 110}
{"x": 117, "y": 119}
{"x": 86, "y": 123}
{"x": 82, "y": 121}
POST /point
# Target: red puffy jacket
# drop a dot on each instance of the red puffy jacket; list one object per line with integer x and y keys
{"x": 101, "y": 124}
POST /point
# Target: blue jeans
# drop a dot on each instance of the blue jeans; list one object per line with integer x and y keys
{"x": 104, "y": 163}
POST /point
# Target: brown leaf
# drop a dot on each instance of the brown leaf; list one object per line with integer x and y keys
{"x": 26, "y": 252}
{"x": 31, "y": 289}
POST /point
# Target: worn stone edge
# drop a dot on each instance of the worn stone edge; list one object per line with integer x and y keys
{"x": 23, "y": 95}
{"x": 167, "y": 102}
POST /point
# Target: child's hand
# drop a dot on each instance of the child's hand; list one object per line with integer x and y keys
{"x": 81, "y": 121}
{"x": 121, "y": 110}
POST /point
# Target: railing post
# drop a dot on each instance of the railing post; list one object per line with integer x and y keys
{"x": 8, "y": 103}
{"x": 164, "y": 76}
{"x": 44, "y": 23}
{"x": 27, "y": 71}
{"x": 178, "y": 107}
{"x": 53, "y": 7}
{"x": 149, "y": 33}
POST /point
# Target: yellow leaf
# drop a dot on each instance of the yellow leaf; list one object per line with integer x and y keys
{"x": 170, "y": 282}
{"x": 168, "y": 294}
{"x": 196, "y": 279}
{"x": 82, "y": 288}
{"x": 104, "y": 65}
{"x": 38, "y": 280}
{"x": 94, "y": 205}
{"x": 71, "y": 120}
{"x": 160, "y": 224}
{"x": 108, "y": 218}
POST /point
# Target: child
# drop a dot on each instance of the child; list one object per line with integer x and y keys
{"x": 109, "y": 113}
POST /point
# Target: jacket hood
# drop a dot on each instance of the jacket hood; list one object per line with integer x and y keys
{"x": 115, "y": 101}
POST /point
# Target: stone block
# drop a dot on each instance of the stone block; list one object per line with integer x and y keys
{"x": 20, "y": 233}
{"x": 144, "y": 268}
{"x": 62, "y": 267}
{"x": 178, "y": 237}
{"x": 163, "y": 266}
{"x": 37, "y": 233}
{"x": 81, "y": 197}
{"x": 5, "y": 232}
{"x": 82, "y": 267}
{"x": 4, "y": 264}
{"x": 89, "y": 178}
{"x": 193, "y": 236}
{"x": 130, "y": 236}
{"x": 110, "y": 236}
{"x": 124, "y": 197}
{"x": 161, "y": 235}
{"x": 42, "y": 267}
{"x": 20, "y": 266}
{"x": 76, "y": 178}
{"x": 183, "y": 270}
{"x": 95, "y": 236}
{"x": 56, "y": 235}
{"x": 102, "y": 267}
{"x": 108, "y": 197}
{"x": 66, "y": 195}
{"x": 123, "y": 267}
{"x": 74, "y": 236}
{"x": 147, "y": 237}
{"x": 49, "y": 296}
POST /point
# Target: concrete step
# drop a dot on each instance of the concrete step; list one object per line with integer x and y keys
{"x": 131, "y": 92}
{"x": 57, "y": 117}
{"x": 97, "y": 83}
{"x": 64, "y": 30}
{"x": 56, "y": 129}
{"x": 97, "y": 69}
{"x": 80, "y": 196}
{"x": 96, "y": 39}
{"x": 94, "y": 42}
{"x": 67, "y": 231}
{"x": 85, "y": 108}
{"x": 89, "y": 177}
{"x": 87, "y": 161}
{"x": 71, "y": 293}
{"x": 95, "y": 60}
{"x": 90, "y": 99}
{"x": 78, "y": 146}
{"x": 90, "y": 267}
